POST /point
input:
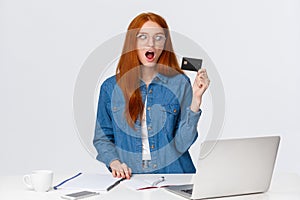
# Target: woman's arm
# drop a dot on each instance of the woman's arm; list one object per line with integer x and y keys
{"x": 186, "y": 132}
{"x": 200, "y": 85}
{"x": 104, "y": 137}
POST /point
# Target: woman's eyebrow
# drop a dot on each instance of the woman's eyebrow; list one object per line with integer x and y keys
{"x": 142, "y": 32}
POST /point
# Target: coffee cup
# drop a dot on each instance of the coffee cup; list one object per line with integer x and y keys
{"x": 39, "y": 180}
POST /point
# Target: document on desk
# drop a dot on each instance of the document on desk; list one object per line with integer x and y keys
{"x": 89, "y": 181}
{"x": 142, "y": 182}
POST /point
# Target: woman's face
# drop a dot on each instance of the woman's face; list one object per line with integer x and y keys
{"x": 150, "y": 43}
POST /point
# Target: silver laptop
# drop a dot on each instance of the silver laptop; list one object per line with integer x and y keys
{"x": 232, "y": 167}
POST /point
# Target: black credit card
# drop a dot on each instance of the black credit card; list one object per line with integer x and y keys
{"x": 191, "y": 64}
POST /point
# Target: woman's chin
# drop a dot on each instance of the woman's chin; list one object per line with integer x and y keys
{"x": 149, "y": 64}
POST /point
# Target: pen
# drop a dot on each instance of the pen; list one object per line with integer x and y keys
{"x": 161, "y": 179}
{"x": 115, "y": 184}
{"x": 56, "y": 187}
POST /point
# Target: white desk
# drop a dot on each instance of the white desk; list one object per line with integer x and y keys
{"x": 285, "y": 186}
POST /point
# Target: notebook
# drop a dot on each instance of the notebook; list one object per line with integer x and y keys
{"x": 232, "y": 167}
{"x": 142, "y": 182}
{"x": 88, "y": 181}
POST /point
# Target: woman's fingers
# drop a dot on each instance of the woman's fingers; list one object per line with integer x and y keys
{"x": 126, "y": 170}
{"x": 130, "y": 172}
{"x": 201, "y": 83}
{"x": 120, "y": 170}
{"x": 121, "y": 174}
{"x": 202, "y": 80}
{"x": 114, "y": 173}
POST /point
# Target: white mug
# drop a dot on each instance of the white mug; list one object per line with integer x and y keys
{"x": 39, "y": 180}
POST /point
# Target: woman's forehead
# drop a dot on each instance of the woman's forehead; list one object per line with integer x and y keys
{"x": 151, "y": 27}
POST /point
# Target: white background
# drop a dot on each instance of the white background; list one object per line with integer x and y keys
{"x": 43, "y": 44}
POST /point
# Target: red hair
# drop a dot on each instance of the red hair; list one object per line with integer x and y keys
{"x": 129, "y": 61}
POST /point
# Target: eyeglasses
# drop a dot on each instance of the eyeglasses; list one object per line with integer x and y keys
{"x": 158, "y": 39}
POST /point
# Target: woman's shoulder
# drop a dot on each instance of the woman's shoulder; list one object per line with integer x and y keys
{"x": 179, "y": 78}
{"x": 109, "y": 82}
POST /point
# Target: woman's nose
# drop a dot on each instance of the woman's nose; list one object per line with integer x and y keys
{"x": 150, "y": 42}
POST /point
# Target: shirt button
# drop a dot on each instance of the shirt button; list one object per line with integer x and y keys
{"x": 149, "y": 108}
{"x": 152, "y": 146}
{"x": 149, "y": 128}
{"x": 155, "y": 165}
{"x": 150, "y": 91}
{"x": 174, "y": 110}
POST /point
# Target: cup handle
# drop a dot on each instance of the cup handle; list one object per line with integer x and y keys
{"x": 27, "y": 181}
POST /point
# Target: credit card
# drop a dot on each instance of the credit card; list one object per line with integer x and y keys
{"x": 191, "y": 64}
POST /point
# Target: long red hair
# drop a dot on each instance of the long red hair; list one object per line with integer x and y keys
{"x": 130, "y": 82}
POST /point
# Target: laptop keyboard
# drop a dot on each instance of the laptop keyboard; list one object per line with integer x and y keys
{"x": 189, "y": 191}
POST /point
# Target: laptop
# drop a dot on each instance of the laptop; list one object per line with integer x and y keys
{"x": 232, "y": 167}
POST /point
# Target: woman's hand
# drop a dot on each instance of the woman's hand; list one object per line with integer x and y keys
{"x": 200, "y": 85}
{"x": 120, "y": 170}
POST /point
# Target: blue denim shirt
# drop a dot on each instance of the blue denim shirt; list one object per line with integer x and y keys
{"x": 172, "y": 126}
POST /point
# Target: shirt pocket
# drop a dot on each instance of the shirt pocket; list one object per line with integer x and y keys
{"x": 119, "y": 120}
{"x": 120, "y": 126}
{"x": 172, "y": 112}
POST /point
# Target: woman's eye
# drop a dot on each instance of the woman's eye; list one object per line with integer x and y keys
{"x": 142, "y": 36}
{"x": 159, "y": 37}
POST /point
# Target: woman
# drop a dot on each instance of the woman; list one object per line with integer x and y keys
{"x": 148, "y": 112}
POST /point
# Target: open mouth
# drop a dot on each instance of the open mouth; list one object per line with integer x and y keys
{"x": 149, "y": 55}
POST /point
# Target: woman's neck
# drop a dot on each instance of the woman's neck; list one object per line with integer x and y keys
{"x": 148, "y": 73}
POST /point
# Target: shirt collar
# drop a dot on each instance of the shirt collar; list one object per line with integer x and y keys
{"x": 161, "y": 77}
{"x": 158, "y": 77}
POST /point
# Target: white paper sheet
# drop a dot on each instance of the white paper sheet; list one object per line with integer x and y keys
{"x": 93, "y": 182}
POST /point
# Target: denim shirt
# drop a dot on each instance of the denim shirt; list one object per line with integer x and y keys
{"x": 171, "y": 125}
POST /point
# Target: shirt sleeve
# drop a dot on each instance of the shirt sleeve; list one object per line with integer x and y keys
{"x": 186, "y": 132}
{"x": 104, "y": 137}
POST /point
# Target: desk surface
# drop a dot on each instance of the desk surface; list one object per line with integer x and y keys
{"x": 284, "y": 186}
